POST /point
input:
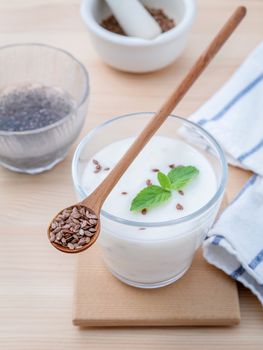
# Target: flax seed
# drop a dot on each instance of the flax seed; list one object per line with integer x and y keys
{"x": 179, "y": 206}
{"x": 148, "y": 182}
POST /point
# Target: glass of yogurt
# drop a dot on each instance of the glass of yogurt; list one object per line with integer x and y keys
{"x": 153, "y": 248}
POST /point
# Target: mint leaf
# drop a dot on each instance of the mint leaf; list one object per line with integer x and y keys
{"x": 154, "y": 195}
{"x": 181, "y": 176}
{"x": 164, "y": 180}
{"x": 149, "y": 197}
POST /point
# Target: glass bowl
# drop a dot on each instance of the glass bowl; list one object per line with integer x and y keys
{"x": 163, "y": 251}
{"x": 23, "y": 65}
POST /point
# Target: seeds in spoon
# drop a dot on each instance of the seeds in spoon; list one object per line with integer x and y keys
{"x": 73, "y": 227}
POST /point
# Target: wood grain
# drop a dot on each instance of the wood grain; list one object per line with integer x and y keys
{"x": 36, "y": 288}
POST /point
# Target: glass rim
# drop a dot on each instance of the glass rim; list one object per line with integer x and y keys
{"x": 219, "y": 192}
{"x": 78, "y": 105}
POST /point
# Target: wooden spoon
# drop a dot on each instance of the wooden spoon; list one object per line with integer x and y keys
{"x": 95, "y": 200}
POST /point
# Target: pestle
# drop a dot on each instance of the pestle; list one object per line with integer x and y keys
{"x": 134, "y": 19}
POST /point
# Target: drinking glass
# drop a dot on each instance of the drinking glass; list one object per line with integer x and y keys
{"x": 163, "y": 251}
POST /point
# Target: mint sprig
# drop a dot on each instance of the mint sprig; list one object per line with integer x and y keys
{"x": 181, "y": 176}
{"x": 164, "y": 180}
{"x": 153, "y": 195}
{"x": 149, "y": 197}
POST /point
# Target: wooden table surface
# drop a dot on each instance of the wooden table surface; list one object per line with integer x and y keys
{"x": 36, "y": 282}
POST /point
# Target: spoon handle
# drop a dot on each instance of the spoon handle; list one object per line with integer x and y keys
{"x": 102, "y": 191}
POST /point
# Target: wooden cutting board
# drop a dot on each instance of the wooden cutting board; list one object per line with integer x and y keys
{"x": 204, "y": 296}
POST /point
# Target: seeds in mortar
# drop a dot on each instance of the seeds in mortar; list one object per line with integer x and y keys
{"x": 166, "y": 23}
{"x": 73, "y": 228}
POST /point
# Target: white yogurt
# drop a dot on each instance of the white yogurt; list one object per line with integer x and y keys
{"x": 142, "y": 254}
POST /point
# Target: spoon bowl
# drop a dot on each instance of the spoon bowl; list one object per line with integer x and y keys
{"x": 80, "y": 238}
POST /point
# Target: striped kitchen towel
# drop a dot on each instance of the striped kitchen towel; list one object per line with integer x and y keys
{"x": 234, "y": 116}
{"x": 235, "y": 243}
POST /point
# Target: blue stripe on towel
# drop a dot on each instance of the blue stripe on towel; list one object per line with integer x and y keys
{"x": 238, "y": 272}
{"x": 257, "y": 260}
{"x": 234, "y": 100}
{"x": 251, "y": 151}
{"x": 249, "y": 183}
{"x": 217, "y": 239}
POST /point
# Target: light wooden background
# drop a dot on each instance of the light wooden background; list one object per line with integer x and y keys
{"x": 36, "y": 281}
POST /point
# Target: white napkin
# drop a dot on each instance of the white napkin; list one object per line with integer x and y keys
{"x": 234, "y": 116}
